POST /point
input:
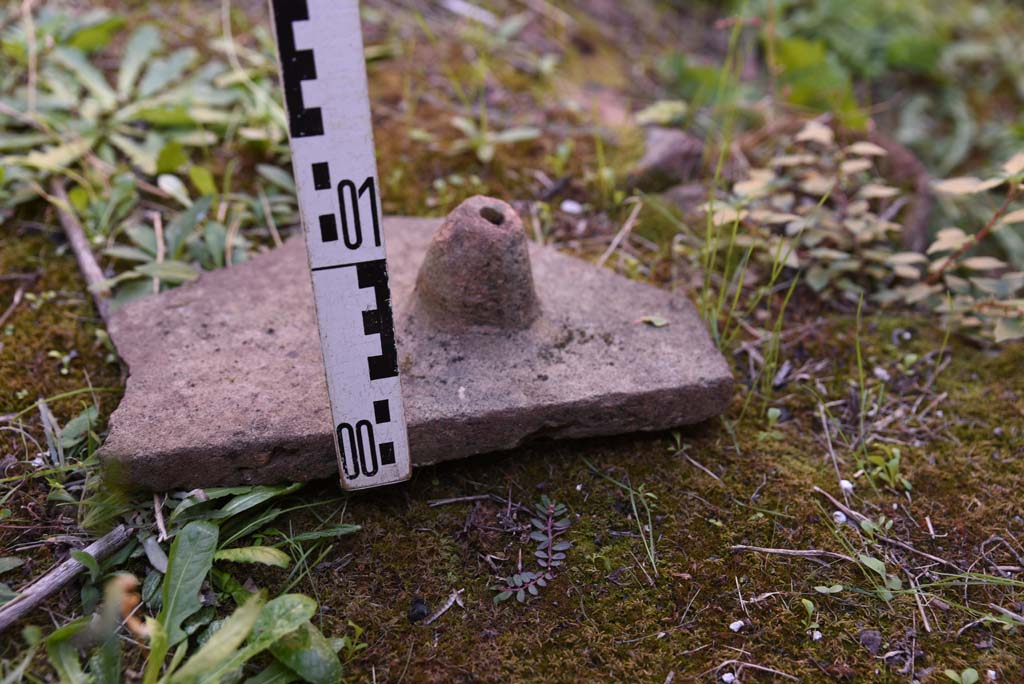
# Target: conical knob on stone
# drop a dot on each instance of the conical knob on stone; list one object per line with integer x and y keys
{"x": 477, "y": 272}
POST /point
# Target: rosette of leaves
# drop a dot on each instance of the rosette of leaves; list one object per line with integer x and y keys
{"x": 549, "y": 522}
{"x": 821, "y": 207}
{"x": 825, "y": 210}
{"x": 68, "y": 110}
{"x": 972, "y": 291}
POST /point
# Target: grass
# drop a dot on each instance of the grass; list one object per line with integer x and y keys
{"x": 647, "y": 591}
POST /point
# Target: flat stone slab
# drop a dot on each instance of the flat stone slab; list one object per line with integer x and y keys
{"x": 227, "y": 386}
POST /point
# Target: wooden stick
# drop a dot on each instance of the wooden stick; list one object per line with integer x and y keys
{"x": 83, "y": 252}
{"x": 798, "y": 553}
{"x": 857, "y": 516}
{"x": 623, "y": 233}
{"x": 59, "y": 576}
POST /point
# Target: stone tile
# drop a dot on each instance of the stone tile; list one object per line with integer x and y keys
{"x": 227, "y": 385}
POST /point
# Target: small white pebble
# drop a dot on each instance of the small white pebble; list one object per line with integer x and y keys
{"x": 940, "y": 413}
{"x": 816, "y": 635}
{"x": 729, "y": 678}
{"x": 839, "y": 517}
{"x": 991, "y": 674}
{"x": 572, "y": 207}
{"x": 846, "y": 486}
{"x": 906, "y": 335}
{"x": 579, "y": 487}
{"x": 881, "y": 374}
{"x": 737, "y": 626}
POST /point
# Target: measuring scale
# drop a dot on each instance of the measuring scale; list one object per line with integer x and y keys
{"x": 323, "y": 68}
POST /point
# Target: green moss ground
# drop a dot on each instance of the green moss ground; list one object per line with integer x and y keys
{"x": 600, "y": 625}
{"x": 605, "y": 617}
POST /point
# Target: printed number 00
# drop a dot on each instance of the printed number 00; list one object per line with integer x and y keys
{"x": 349, "y": 196}
{"x": 358, "y": 445}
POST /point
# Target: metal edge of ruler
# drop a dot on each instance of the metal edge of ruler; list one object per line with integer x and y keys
{"x": 323, "y": 72}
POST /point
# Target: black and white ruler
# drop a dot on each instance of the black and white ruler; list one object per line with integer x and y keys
{"x": 323, "y": 67}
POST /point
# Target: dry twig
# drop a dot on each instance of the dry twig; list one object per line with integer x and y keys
{"x": 58, "y": 577}
{"x": 83, "y": 253}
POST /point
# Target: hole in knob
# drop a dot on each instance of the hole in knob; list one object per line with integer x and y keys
{"x": 493, "y": 215}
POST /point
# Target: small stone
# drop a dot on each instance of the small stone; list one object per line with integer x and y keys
{"x": 816, "y": 635}
{"x": 477, "y": 270}
{"x": 671, "y": 157}
{"x": 418, "y": 610}
{"x": 871, "y": 639}
{"x": 571, "y": 207}
{"x": 729, "y": 678}
{"x": 839, "y": 517}
{"x": 881, "y": 374}
{"x": 737, "y": 626}
{"x": 210, "y": 393}
{"x": 846, "y": 486}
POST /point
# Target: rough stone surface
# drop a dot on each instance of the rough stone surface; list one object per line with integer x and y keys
{"x": 227, "y": 385}
{"x": 670, "y": 157}
{"x": 477, "y": 270}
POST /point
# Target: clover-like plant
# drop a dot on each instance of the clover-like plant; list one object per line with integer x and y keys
{"x": 549, "y": 522}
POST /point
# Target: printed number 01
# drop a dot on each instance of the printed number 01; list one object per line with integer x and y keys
{"x": 359, "y": 445}
{"x": 348, "y": 195}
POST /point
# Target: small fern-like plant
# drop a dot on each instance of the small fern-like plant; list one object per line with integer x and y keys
{"x": 549, "y": 523}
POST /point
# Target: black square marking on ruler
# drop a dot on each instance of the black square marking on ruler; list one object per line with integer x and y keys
{"x": 387, "y": 453}
{"x": 322, "y": 176}
{"x": 380, "y": 320}
{"x": 296, "y": 66}
{"x": 381, "y": 411}
{"x": 328, "y": 228}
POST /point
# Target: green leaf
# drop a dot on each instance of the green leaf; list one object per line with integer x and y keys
{"x": 655, "y": 321}
{"x": 140, "y": 47}
{"x": 969, "y": 676}
{"x": 89, "y": 76}
{"x": 215, "y": 236}
{"x": 105, "y": 665}
{"x": 22, "y": 141}
{"x": 277, "y": 176}
{"x": 158, "y": 647}
{"x": 306, "y": 652}
{"x": 127, "y": 253}
{"x": 95, "y": 35}
{"x": 143, "y": 155}
{"x": 189, "y": 562}
{"x": 223, "y": 644}
{"x": 179, "y": 229}
{"x": 8, "y": 563}
{"x": 78, "y": 427}
{"x": 267, "y": 555}
{"x": 162, "y": 72}
{"x": 1008, "y": 329}
{"x": 254, "y": 497}
{"x": 275, "y": 673}
{"x": 174, "y": 187}
{"x": 202, "y": 179}
{"x": 171, "y": 272}
{"x": 171, "y": 158}
{"x": 57, "y": 157}
{"x": 91, "y": 564}
{"x": 873, "y": 564}
{"x": 63, "y": 654}
{"x": 329, "y": 533}
{"x": 280, "y": 616}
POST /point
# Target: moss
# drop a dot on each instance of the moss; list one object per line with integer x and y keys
{"x": 601, "y": 624}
